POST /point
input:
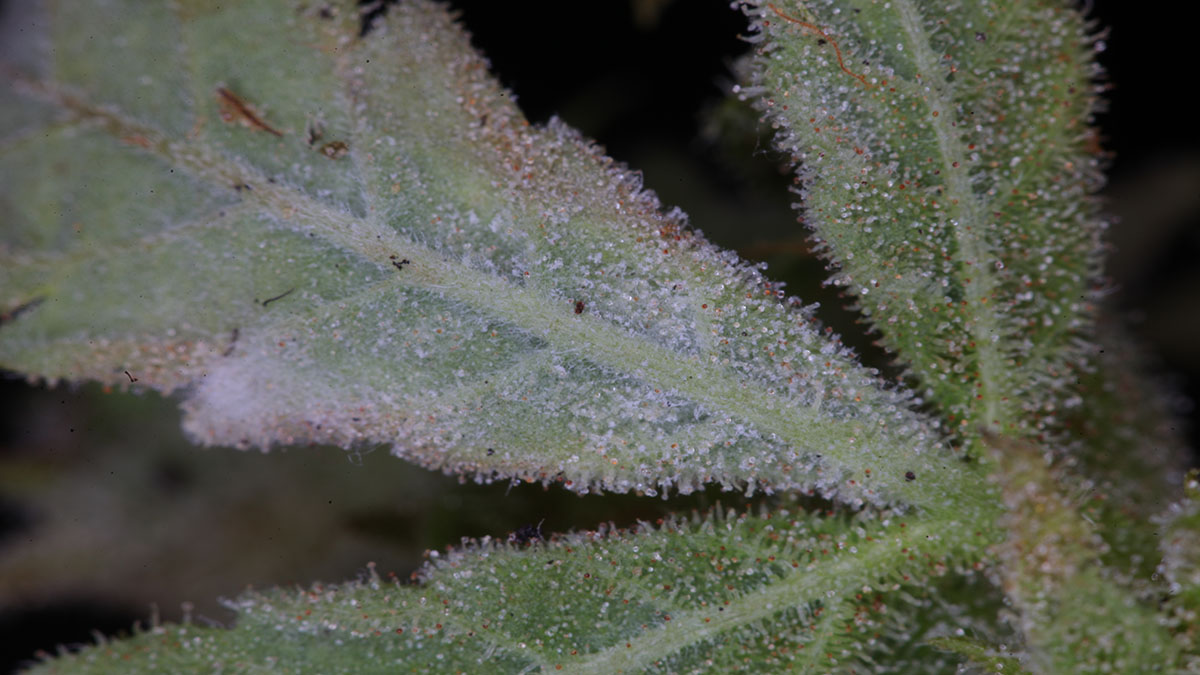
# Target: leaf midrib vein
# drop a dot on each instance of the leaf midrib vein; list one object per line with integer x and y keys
{"x": 970, "y": 224}
{"x": 849, "y": 571}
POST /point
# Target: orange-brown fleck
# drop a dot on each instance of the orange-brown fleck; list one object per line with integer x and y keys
{"x": 234, "y": 109}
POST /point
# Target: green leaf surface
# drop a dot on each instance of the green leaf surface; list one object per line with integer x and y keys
{"x": 328, "y": 238}
{"x": 983, "y": 656}
{"x": 749, "y": 593}
{"x": 945, "y": 167}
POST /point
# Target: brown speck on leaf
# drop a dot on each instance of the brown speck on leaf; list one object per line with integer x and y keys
{"x": 910, "y": 476}
{"x": 138, "y": 140}
{"x": 335, "y": 149}
{"x": 234, "y": 109}
{"x": 579, "y": 307}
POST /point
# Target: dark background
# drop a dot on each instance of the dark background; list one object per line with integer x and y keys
{"x": 105, "y": 509}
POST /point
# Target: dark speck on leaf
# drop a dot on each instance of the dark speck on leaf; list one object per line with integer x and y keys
{"x": 17, "y": 311}
{"x": 278, "y": 297}
{"x": 527, "y": 533}
{"x": 314, "y": 132}
{"x": 369, "y": 12}
{"x": 233, "y": 338}
{"x": 910, "y": 476}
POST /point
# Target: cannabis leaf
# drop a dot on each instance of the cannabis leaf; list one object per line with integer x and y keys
{"x": 327, "y": 238}
{"x": 327, "y": 224}
{"x": 725, "y": 592}
{"x": 946, "y": 161}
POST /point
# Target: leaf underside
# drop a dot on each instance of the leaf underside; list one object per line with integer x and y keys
{"x": 322, "y": 238}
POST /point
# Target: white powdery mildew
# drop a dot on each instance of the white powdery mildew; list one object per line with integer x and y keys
{"x": 494, "y": 298}
{"x": 544, "y": 215}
